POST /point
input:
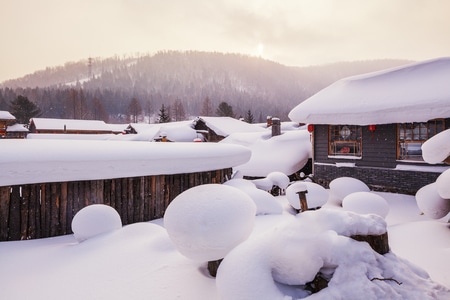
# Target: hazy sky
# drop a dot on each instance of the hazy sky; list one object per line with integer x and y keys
{"x": 40, "y": 33}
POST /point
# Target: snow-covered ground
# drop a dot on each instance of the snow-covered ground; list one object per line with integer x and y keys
{"x": 139, "y": 261}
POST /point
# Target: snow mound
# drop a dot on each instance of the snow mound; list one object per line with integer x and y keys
{"x": 443, "y": 184}
{"x": 279, "y": 179}
{"x": 93, "y": 220}
{"x": 316, "y": 195}
{"x": 436, "y": 149}
{"x": 343, "y": 186}
{"x": 207, "y": 221}
{"x": 431, "y": 203}
{"x": 265, "y": 203}
{"x": 366, "y": 203}
{"x": 260, "y": 269}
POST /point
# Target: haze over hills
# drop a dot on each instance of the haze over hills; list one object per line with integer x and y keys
{"x": 245, "y": 82}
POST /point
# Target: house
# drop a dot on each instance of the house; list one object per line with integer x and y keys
{"x": 215, "y": 129}
{"x": 16, "y": 131}
{"x": 372, "y": 126}
{"x": 6, "y": 119}
{"x": 68, "y": 126}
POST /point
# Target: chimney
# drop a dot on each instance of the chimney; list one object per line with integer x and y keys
{"x": 269, "y": 121}
{"x": 276, "y": 127}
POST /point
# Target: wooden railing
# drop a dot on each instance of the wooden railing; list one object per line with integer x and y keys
{"x": 31, "y": 211}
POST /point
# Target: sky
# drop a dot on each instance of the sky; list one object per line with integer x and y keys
{"x": 48, "y": 33}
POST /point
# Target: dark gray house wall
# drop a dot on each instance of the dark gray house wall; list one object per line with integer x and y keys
{"x": 376, "y": 167}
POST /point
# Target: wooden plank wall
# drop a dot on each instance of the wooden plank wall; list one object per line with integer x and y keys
{"x": 32, "y": 211}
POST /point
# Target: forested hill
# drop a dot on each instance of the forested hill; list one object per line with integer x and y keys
{"x": 245, "y": 82}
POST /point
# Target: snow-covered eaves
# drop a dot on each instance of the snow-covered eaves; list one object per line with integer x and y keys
{"x": 17, "y": 128}
{"x": 70, "y": 124}
{"x": 413, "y": 93}
{"x": 6, "y": 115}
{"x": 225, "y": 126}
{"x": 34, "y": 160}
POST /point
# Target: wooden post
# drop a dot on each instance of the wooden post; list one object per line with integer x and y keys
{"x": 379, "y": 243}
{"x": 303, "y": 202}
{"x": 5, "y": 195}
{"x": 213, "y": 266}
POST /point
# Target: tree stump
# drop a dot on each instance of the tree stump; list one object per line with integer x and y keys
{"x": 213, "y": 266}
{"x": 379, "y": 243}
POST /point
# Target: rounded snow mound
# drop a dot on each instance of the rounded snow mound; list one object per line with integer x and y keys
{"x": 431, "y": 203}
{"x": 316, "y": 195}
{"x": 95, "y": 219}
{"x": 366, "y": 203}
{"x": 207, "y": 221}
{"x": 279, "y": 179}
{"x": 343, "y": 186}
{"x": 442, "y": 184}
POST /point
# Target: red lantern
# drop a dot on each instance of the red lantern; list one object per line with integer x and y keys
{"x": 310, "y": 127}
{"x": 372, "y": 128}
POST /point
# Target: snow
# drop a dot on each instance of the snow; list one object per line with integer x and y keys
{"x": 34, "y": 160}
{"x": 16, "y": 128}
{"x": 366, "y": 203}
{"x": 93, "y": 220}
{"x": 413, "y": 93}
{"x": 207, "y": 221}
{"x": 436, "y": 149}
{"x": 286, "y": 153}
{"x": 224, "y": 126}
{"x": 442, "y": 184}
{"x": 343, "y": 186}
{"x": 431, "y": 203}
{"x": 69, "y": 124}
{"x": 6, "y": 115}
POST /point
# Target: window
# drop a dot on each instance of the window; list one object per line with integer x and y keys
{"x": 344, "y": 140}
{"x": 411, "y": 136}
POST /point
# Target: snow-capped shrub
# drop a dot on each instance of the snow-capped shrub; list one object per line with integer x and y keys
{"x": 343, "y": 186}
{"x": 431, "y": 203}
{"x": 279, "y": 179}
{"x": 207, "y": 221}
{"x": 366, "y": 203}
{"x": 316, "y": 195}
{"x": 443, "y": 184}
{"x": 93, "y": 220}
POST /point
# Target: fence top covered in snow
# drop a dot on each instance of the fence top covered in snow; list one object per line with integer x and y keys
{"x": 35, "y": 161}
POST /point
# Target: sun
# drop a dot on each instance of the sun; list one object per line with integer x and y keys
{"x": 260, "y": 50}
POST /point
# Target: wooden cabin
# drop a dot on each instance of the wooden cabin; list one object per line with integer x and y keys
{"x": 68, "y": 126}
{"x": 6, "y": 119}
{"x": 371, "y": 127}
{"x": 16, "y": 131}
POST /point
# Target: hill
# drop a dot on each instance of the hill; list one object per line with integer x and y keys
{"x": 245, "y": 82}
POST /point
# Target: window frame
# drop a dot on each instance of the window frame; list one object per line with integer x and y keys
{"x": 342, "y": 139}
{"x": 413, "y": 135}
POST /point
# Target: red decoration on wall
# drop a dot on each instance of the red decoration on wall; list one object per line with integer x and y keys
{"x": 310, "y": 127}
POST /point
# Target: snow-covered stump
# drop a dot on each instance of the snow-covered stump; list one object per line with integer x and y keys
{"x": 379, "y": 243}
{"x": 213, "y": 266}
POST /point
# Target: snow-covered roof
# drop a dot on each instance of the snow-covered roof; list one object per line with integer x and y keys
{"x": 225, "y": 126}
{"x": 17, "y": 128}
{"x": 70, "y": 124}
{"x": 35, "y": 160}
{"x": 6, "y": 115}
{"x": 412, "y": 93}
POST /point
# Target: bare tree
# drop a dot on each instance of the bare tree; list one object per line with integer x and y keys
{"x": 178, "y": 113}
{"x": 207, "y": 109}
{"x": 134, "y": 110}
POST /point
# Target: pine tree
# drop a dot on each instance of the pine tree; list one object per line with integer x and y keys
{"x": 249, "y": 117}
{"x": 23, "y": 109}
{"x": 225, "y": 110}
{"x": 164, "y": 116}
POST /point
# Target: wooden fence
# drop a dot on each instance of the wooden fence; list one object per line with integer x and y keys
{"x": 42, "y": 210}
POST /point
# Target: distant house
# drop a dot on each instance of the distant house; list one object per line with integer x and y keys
{"x": 68, "y": 126}
{"x": 6, "y": 119}
{"x": 16, "y": 131}
{"x": 215, "y": 129}
{"x": 372, "y": 126}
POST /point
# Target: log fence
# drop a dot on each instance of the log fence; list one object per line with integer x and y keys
{"x": 31, "y": 211}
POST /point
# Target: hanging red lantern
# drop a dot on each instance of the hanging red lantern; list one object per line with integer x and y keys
{"x": 372, "y": 128}
{"x": 310, "y": 127}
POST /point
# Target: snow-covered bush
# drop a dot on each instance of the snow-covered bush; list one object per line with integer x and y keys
{"x": 443, "y": 184}
{"x": 343, "y": 186}
{"x": 366, "y": 203}
{"x": 207, "y": 221}
{"x": 279, "y": 264}
{"x": 93, "y": 220}
{"x": 431, "y": 203}
{"x": 316, "y": 195}
{"x": 436, "y": 149}
{"x": 265, "y": 202}
{"x": 279, "y": 179}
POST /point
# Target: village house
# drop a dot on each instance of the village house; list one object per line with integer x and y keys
{"x": 371, "y": 127}
{"x": 68, "y": 126}
{"x": 6, "y": 119}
